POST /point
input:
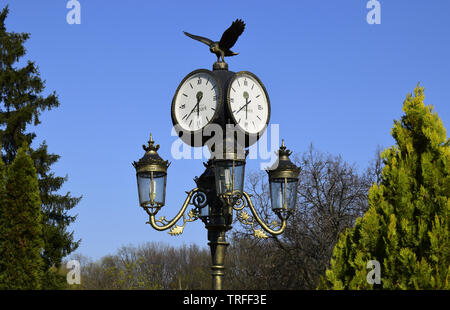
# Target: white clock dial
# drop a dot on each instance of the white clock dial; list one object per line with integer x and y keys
{"x": 248, "y": 103}
{"x": 196, "y": 101}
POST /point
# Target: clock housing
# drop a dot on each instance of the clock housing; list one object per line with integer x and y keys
{"x": 197, "y": 103}
{"x": 248, "y": 105}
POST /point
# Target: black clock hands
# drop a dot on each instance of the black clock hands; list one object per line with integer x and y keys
{"x": 197, "y": 106}
{"x": 244, "y": 106}
{"x": 245, "y": 94}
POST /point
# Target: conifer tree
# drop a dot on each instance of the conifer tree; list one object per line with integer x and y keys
{"x": 2, "y": 193}
{"x": 21, "y": 104}
{"x": 21, "y": 226}
{"x": 406, "y": 228}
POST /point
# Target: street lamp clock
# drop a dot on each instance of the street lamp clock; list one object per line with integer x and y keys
{"x": 196, "y": 103}
{"x": 226, "y": 100}
{"x": 248, "y": 103}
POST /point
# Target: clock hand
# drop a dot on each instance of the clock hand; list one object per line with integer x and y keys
{"x": 245, "y": 94}
{"x": 243, "y": 106}
{"x": 246, "y": 108}
{"x": 199, "y": 98}
{"x": 191, "y": 111}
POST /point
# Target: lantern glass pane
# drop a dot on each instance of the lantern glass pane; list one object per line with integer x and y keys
{"x": 291, "y": 193}
{"x": 225, "y": 175}
{"x": 151, "y": 190}
{"x": 204, "y": 212}
{"x": 283, "y": 190}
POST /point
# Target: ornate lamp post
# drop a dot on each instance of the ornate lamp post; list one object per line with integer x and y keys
{"x": 219, "y": 97}
{"x": 219, "y": 191}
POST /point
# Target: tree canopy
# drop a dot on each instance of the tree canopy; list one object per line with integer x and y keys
{"x": 406, "y": 227}
{"x": 21, "y": 103}
{"x": 20, "y": 225}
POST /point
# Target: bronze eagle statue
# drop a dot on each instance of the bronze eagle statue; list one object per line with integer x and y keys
{"x": 228, "y": 39}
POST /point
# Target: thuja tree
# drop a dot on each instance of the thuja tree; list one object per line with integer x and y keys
{"x": 20, "y": 225}
{"x": 21, "y": 104}
{"x": 406, "y": 228}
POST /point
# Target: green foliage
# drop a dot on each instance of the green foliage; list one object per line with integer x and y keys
{"x": 21, "y": 226}
{"x": 2, "y": 188}
{"x": 406, "y": 227}
{"x": 21, "y": 104}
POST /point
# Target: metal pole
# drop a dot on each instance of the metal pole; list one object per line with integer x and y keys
{"x": 218, "y": 246}
{"x": 218, "y": 222}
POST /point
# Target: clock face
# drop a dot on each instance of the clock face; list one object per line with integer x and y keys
{"x": 248, "y": 103}
{"x": 196, "y": 101}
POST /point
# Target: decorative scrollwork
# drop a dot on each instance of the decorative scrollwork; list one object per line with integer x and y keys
{"x": 178, "y": 230}
{"x": 245, "y": 218}
{"x": 199, "y": 200}
{"x": 239, "y": 203}
{"x": 195, "y": 197}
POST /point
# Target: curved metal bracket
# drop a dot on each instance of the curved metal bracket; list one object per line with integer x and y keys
{"x": 246, "y": 219}
{"x": 195, "y": 197}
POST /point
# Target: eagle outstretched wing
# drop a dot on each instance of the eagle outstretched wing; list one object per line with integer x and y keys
{"x": 230, "y": 36}
{"x": 199, "y": 38}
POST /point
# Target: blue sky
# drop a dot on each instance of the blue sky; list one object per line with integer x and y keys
{"x": 333, "y": 80}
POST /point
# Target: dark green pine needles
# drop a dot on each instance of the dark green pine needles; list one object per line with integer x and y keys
{"x": 20, "y": 225}
{"x": 21, "y": 104}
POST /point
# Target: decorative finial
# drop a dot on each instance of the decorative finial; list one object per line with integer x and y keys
{"x": 283, "y": 150}
{"x": 151, "y": 145}
{"x": 151, "y": 158}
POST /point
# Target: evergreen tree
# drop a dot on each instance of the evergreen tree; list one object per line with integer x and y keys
{"x": 21, "y": 103}
{"x": 2, "y": 194}
{"x": 21, "y": 226}
{"x": 406, "y": 228}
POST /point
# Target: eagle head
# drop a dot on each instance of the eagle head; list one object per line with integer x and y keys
{"x": 214, "y": 48}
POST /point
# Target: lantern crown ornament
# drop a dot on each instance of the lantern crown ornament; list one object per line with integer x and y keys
{"x": 151, "y": 161}
{"x": 283, "y": 167}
